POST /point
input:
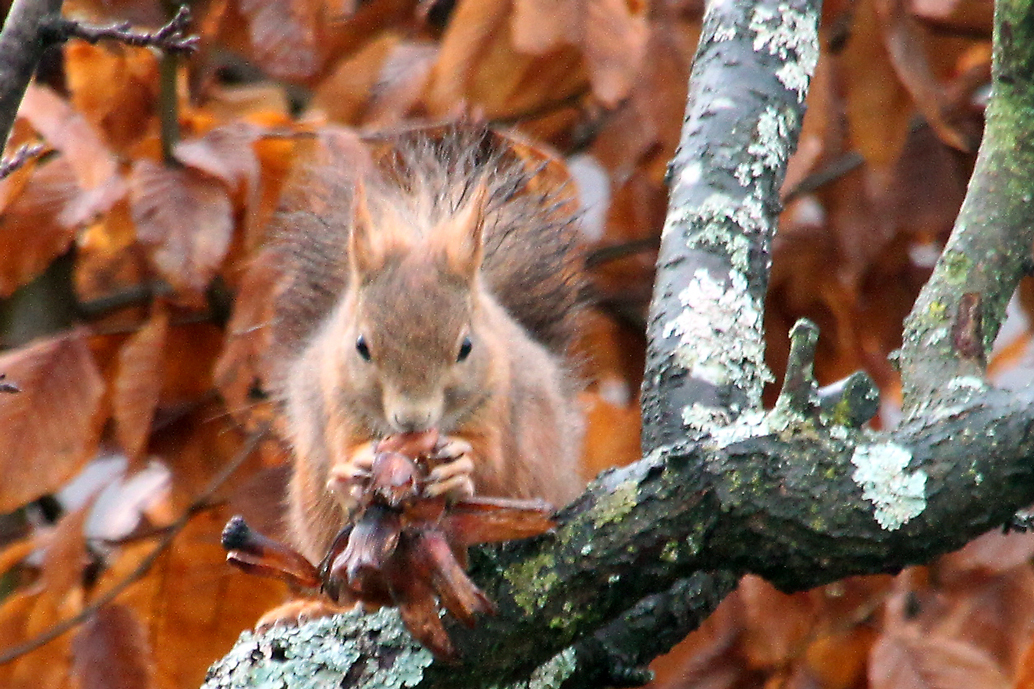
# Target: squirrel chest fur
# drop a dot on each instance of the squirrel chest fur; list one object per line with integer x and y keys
{"x": 437, "y": 291}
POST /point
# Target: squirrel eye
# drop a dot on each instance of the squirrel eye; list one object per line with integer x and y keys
{"x": 465, "y": 348}
{"x": 360, "y": 346}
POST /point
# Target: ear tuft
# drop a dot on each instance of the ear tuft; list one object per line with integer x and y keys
{"x": 462, "y": 235}
{"x": 366, "y": 251}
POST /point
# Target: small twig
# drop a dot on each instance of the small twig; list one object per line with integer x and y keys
{"x": 171, "y": 38}
{"x": 22, "y": 155}
{"x": 199, "y": 504}
{"x": 8, "y": 386}
{"x": 831, "y": 172}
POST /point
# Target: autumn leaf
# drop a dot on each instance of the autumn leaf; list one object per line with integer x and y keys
{"x": 111, "y": 651}
{"x": 907, "y": 661}
{"x": 51, "y": 427}
{"x": 185, "y": 218}
{"x": 138, "y": 384}
{"x": 31, "y": 233}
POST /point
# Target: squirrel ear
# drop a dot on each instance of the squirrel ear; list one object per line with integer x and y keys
{"x": 462, "y": 234}
{"x": 365, "y": 251}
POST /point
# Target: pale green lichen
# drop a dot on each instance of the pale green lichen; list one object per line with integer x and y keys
{"x": 956, "y": 267}
{"x": 532, "y": 579}
{"x": 791, "y": 36}
{"x": 767, "y": 150}
{"x": 718, "y": 331}
{"x": 316, "y": 656}
{"x": 613, "y": 506}
{"x": 896, "y": 494}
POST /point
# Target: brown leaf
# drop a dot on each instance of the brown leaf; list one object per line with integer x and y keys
{"x": 225, "y": 152}
{"x": 115, "y": 90}
{"x": 51, "y": 427}
{"x": 992, "y": 553}
{"x": 194, "y": 606}
{"x": 285, "y": 35}
{"x": 138, "y": 385}
{"x": 904, "y": 41}
{"x": 1024, "y": 671}
{"x": 612, "y": 34}
{"x": 111, "y": 651}
{"x": 186, "y": 220}
{"x": 478, "y": 65}
{"x": 905, "y": 661}
{"x": 31, "y": 235}
{"x": 345, "y": 93}
{"x": 69, "y": 132}
{"x": 777, "y": 624}
{"x": 877, "y": 105}
{"x": 64, "y": 555}
{"x": 242, "y": 371}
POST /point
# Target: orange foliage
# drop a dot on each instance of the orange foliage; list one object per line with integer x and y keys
{"x": 165, "y": 371}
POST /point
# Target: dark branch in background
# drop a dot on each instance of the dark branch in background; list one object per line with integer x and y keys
{"x": 171, "y": 38}
{"x": 24, "y": 154}
{"x": 21, "y": 47}
{"x": 34, "y": 25}
{"x": 200, "y": 503}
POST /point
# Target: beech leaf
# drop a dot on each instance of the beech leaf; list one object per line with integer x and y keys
{"x": 51, "y": 427}
{"x": 186, "y": 219}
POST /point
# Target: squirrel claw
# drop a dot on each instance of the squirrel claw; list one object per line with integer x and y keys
{"x": 453, "y": 479}
{"x": 295, "y": 613}
{"x": 344, "y": 478}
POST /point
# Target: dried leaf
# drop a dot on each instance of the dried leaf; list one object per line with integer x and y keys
{"x": 285, "y": 35}
{"x": 903, "y": 39}
{"x": 225, "y": 152}
{"x": 906, "y": 661}
{"x": 612, "y": 34}
{"x": 31, "y": 236}
{"x": 478, "y": 65}
{"x": 776, "y": 624}
{"x": 111, "y": 651}
{"x": 193, "y": 605}
{"x": 138, "y": 385}
{"x": 242, "y": 371}
{"x": 52, "y": 426}
{"x": 115, "y": 90}
{"x": 186, "y": 220}
{"x": 69, "y": 132}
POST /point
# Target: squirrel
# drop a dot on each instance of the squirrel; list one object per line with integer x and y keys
{"x": 434, "y": 287}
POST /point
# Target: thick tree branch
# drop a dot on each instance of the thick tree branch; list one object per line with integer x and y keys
{"x": 746, "y": 105}
{"x": 993, "y": 235}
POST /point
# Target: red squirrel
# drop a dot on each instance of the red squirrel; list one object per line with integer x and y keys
{"x": 439, "y": 289}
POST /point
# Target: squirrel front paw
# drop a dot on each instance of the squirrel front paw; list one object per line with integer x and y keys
{"x": 297, "y": 612}
{"x": 346, "y": 478}
{"x": 454, "y": 477}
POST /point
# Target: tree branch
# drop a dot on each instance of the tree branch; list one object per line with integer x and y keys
{"x": 991, "y": 242}
{"x": 171, "y": 38}
{"x": 21, "y": 46}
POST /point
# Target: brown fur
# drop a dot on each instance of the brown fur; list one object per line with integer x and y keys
{"x": 442, "y": 241}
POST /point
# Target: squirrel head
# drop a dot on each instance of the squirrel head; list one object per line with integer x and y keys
{"x": 412, "y": 354}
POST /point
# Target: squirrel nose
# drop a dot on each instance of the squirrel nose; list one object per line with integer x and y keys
{"x": 411, "y": 420}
